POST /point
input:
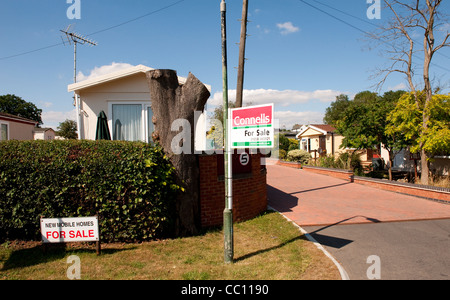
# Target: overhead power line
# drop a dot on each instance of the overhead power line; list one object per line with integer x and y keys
{"x": 96, "y": 32}
{"x": 363, "y": 20}
{"x": 138, "y": 18}
{"x": 31, "y": 51}
{"x": 359, "y": 29}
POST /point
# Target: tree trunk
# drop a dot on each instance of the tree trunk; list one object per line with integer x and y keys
{"x": 428, "y": 55}
{"x": 391, "y": 163}
{"x": 170, "y": 102}
{"x": 424, "y": 168}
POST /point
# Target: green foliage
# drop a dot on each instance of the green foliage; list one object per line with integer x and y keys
{"x": 364, "y": 120}
{"x": 293, "y": 144}
{"x": 130, "y": 186}
{"x": 298, "y": 155}
{"x": 15, "y": 105}
{"x": 282, "y": 154}
{"x": 348, "y": 161}
{"x": 359, "y": 124}
{"x": 336, "y": 110}
{"x": 325, "y": 162}
{"x": 283, "y": 142}
{"x": 344, "y": 161}
{"x": 407, "y": 120}
{"x": 436, "y": 137}
{"x": 68, "y": 129}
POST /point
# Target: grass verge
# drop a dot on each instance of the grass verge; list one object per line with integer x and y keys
{"x": 265, "y": 248}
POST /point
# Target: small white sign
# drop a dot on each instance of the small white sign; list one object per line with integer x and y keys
{"x": 67, "y": 230}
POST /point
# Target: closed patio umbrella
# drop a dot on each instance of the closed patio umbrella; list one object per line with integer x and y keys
{"x": 102, "y": 132}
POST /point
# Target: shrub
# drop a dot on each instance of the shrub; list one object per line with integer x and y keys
{"x": 298, "y": 155}
{"x": 130, "y": 186}
{"x": 349, "y": 162}
{"x": 327, "y": 161}
{"x": 344, "y": 161}
{"x": 282, "y": 154}
{"x": 293, "y": 144}
{"x": 283, "y": 142}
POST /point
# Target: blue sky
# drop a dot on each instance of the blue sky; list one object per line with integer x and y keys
{"x": 298, "y": 57}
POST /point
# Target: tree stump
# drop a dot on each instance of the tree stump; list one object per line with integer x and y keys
{"x": 171, "y": 102}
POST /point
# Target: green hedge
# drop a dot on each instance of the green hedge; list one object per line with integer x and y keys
{"x": 130, "y": 186}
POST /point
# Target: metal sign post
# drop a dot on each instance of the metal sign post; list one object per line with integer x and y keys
{"x": 228, "y": 212}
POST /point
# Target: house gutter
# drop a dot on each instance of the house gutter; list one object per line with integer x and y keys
{"x": 78, "y": 108}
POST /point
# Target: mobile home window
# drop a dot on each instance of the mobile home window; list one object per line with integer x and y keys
{"x": 127, "y": 122}
{"x": 131, "y": 121}
{"x": 4, "y": 132}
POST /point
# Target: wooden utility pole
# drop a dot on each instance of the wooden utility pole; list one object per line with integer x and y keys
{"x": 240, "y": 80}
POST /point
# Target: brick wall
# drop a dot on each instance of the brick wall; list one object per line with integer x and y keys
{"x": 295, "y": 165}
{"x": 249, "y": 191}
{"x": 342, "y": 174}
{"x": 399, "y": 188}
{"x": 415, "y": 190}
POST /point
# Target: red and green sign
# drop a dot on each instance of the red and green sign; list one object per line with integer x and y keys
{"x": 252, "y": 127}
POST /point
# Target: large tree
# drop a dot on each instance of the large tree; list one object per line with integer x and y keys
{"x": 336, "y": 110}
{"x": 358, "y": 123}
{"x": 15, "y": 105}
{"x": 406, "y": 120}
{"x": 393, "y": 143}
{"x": 68, "y": 129}
{"x": 363, "y": 123}
{"x": 413, "y": 18}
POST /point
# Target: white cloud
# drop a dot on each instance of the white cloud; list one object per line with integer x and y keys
{"x": 279, "y": 98}
{"x": 287, "y": 28}
{"x": 53, "y": 118}
{"x": 288, "y": 119}
{"x": 400, "y": 86}
{"x": 46, "y": 104}
{"x": 99, "y": 71}
{"x": 262, "y": 30}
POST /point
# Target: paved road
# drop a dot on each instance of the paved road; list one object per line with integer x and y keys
{"x": 405, "y": 250}
{"x": 404, "y": 237}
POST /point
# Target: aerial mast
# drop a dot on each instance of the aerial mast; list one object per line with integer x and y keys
{"x": 75, "y": 39}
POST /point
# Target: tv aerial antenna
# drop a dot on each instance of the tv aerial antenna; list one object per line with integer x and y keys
{"x": 75, "y": 39}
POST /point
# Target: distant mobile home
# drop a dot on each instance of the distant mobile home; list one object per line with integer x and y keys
{"x": 320, "y": 138}
{"x": 16, "y": 128}
{"x": 46, "y": 134}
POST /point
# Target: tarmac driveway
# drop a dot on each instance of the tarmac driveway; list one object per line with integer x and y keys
{"x": 373, "y": 240}
{"x": 412, "y": 250}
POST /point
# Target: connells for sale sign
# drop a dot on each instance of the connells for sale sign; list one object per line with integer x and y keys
{"x": 252, "y": 127}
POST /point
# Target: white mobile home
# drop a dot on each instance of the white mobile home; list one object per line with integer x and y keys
{"x": 124, "y": 96}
